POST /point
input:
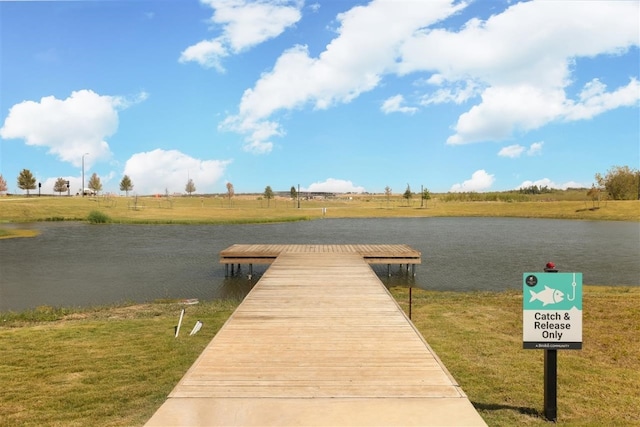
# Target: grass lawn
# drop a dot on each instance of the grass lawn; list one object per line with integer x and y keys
{"x": 114, "y": 366}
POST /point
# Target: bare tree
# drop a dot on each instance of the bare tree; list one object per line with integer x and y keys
{"x": 387, "y": 192}
{"x": 230, "y": 192}
{"x": 3, "y": 184}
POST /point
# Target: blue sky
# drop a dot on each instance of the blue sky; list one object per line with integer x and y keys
{"x": 330, "y": 95}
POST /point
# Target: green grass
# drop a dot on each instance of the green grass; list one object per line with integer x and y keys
{"x": 114, "y": 366}
{"x": 107, "y": 366}
{"x": 478, "y": 336}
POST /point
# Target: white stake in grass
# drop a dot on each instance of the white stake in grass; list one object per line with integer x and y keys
{"x": 196, "y": 328}
{"x": 179, "y": 323}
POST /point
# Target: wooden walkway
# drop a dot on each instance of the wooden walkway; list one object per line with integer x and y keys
{"x": 319, "y": 341}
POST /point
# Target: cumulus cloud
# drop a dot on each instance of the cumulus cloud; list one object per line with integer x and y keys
{"x": 516, "y": 150}
{"x": 69, "y": 127}
{"x": 524, "y": 78}
{"x": 244, "y": 24}
{"x": 518, "y": 73}
{"x": 395, "y": 105}
{"x": 480, "y": 181}
{"x": 332, "y": 185}
{"x": 511, "y": 151}
{"x": 154, "y": 172}
{"x": 353, "y": 63}
{"x": 546, "y": 182}
{"x": 535, "y": 148}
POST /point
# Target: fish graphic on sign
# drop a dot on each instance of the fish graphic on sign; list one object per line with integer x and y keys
{"x": 547, "y": 296}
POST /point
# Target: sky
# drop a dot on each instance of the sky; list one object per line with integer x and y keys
{"x": 330, "y": 95}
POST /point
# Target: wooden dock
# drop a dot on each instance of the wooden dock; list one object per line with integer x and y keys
{"x": 372, "y": 254}
{"x": 319, "y": 341}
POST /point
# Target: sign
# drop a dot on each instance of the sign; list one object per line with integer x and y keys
{"x": 552, "y": 311}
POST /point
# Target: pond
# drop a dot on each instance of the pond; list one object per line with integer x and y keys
{"x": 78, "y": 264}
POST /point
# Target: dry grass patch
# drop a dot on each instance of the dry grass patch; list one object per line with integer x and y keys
{"x": 478, "y": 336}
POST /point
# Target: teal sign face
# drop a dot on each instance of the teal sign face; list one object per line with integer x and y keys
{"x": 552, "y": 310}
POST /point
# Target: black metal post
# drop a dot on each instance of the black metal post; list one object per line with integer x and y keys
{"x": 410, "y": 302}
{"x": 551, "y": 385}
{"x": 551, "y": 372}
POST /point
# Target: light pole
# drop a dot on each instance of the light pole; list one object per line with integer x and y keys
{"x": 82, "y": 190}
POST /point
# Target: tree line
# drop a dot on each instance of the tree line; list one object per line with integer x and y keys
{"x": 619, "y": 183}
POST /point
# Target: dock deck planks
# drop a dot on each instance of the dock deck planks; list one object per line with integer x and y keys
{"x": 372, "y": 254}
{"x": 318, "y": 341}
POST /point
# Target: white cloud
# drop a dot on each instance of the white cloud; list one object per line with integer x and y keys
{"x": 525, "y": 70}
{"x": 512, "y": 151}
{"x": 516, "y": 150}
{"x": 244, "y": 24}
{"x": 332, "y": 185}
{"x": 594, "y": 100}
{"x": 394, "y": 105}
{"x": 546, "y": 182}
{"x": 207, "y": 53}
{"x": 535, "y": 148}
{"x": 480, "y": 181}
{"x": 518, "y": 63}
{"x": 70, "y": 127}
{"x": 457, "y": 93}
{"x": 258, "y": 133}
{"x": 156, "y": 171}
{"x": 352, "y": 63}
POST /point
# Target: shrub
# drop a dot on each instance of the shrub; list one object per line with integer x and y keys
{"x": 97, "y": 217}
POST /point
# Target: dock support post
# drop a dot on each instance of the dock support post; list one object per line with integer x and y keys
{"x": 232, "y": 269}
{"x": 388, "y": 270}
{"x": 226, "y": 270}
{"x": 410, "y": 287}
{"x": 250, "y": 271}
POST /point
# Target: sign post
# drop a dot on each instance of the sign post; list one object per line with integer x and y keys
{"x": 551, "y": 320}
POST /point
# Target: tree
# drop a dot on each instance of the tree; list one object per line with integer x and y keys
{"x": 387, "y": 192}
{"x": 26, "y": 180}
{"x": 594, "y": 194}
{"x": 621, "y": 183}
{"x": 294, "y": 195}
{"x": 268, "y": 194}
{"x": 190, "y": 187}
{"x": 426, "y": 195}
{"x": 94, "y": 183}
{"x": 60, "y": 185}
{"x": 126, "y": 185}
{"x": 408, "y": 195}
{"x": 3, "y": 184}
{"x": 230, "y": 192}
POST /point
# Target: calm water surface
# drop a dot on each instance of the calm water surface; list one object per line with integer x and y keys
{"x": 77, "y": 264}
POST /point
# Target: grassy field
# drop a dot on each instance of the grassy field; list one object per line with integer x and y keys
{"x": 114, "y": 366}
{"x": 253, "y": 208}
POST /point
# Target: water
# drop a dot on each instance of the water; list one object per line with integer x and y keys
{"x": 77, "y": 264}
